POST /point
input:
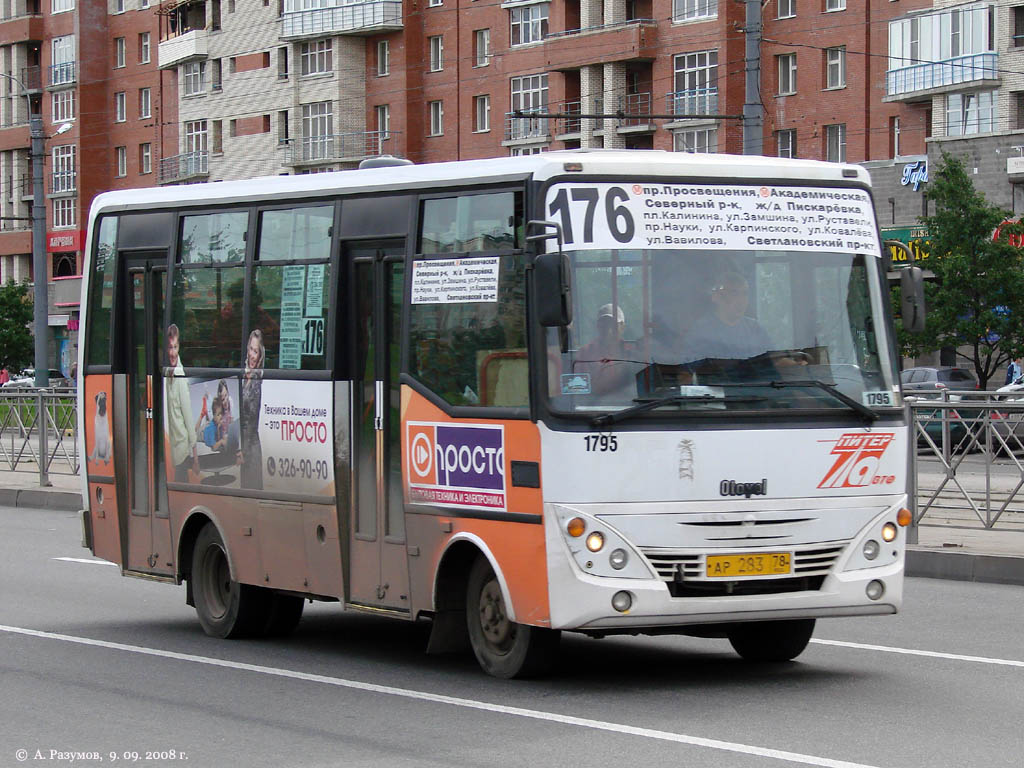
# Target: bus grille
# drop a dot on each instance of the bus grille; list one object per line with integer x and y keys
{"x": 684, "y": 573}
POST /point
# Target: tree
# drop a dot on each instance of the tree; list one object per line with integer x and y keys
{"x": 16, "y": 345}
{"x": 976, "y": 302}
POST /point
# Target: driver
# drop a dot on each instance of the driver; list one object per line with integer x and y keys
{"x": 726, "y": 331}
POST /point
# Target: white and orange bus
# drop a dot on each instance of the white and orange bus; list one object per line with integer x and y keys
{"x": 601, "y": 392}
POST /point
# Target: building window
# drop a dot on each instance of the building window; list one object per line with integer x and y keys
{"x": 785, "y": 9}
{"x": 436, "y": 118}
{"x": 835, "y": 67}
{"x": 434, "y": 3}
{"x": 481, "y": 47}
{"x": 383, "y": 58}
{"x": 120, "y": 107}
{"x": 282, "y": 126}
{"x": 529, "y": 24}
{"x": 436, "y": 53}
{"x": 145, "y": 158}
{"x": 689, "y": 10}
{"x": 60, "y": 6}
{"x": 835, "y": 5}
{"x": 194, "y": 75}
{"x": 64, "y": 209}
{"x": 144, "y": 48}
{"x": 1017, "y": 40}
{"x": 968, "y": 113}
{"x": 63, "y": 106}
{"x": 121, "y": 153}
{"x": 835, "y": 143}
{"x": 118, "y": 6}
{"x": 696, "y": 83}
{"x": 64, "y": 179}
{"x": 785, "y": 143}
{"x": 217, "y": 136}
{"x": 535, "y": 149}
{"x": 317, "y": 57}
{"x": 700, "y": 141}
{"x": 529, "y": 94}
{"x": 317, "y": 130}
{"x": 282, "y": 64}
{"x": 787, "y": 73}
{"x": 383, "y": 112}
{"x": 894, "y": 136}
{"x": 145, "y": 103}
{"x": 482, "y": 113}
{"x": 119, "y": 51}
{"x": 215, "y": 75}
{"x": 62, "y": 70}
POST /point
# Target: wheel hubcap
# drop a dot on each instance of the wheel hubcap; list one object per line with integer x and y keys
{"x": 495, "y": 624}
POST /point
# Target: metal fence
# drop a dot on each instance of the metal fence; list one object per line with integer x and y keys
{"x": 39, "y": 432}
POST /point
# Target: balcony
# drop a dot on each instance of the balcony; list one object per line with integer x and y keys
{"x": 32, "y": 78}
{"x": 519, "y": 126}
{"x": 920, "y": 81}
{"x": 65, "y": 292}
{"x": 367, "y": 18}
{"x": 189, "y": 46}
{"x": 189, "y": 165}
{"x": 62, "y": 74}
{"x": 573, "y": 124}
{"x": 634, "y": 40}
{"x": 693, "y": 104}
{"x": 341, "y": 147}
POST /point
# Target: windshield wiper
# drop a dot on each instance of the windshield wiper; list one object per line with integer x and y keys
{"x": 649, "y": 405}
{"x": 860, "y": 408}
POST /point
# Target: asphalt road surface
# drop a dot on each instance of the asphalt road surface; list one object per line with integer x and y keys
{"x": 98, "y": 668}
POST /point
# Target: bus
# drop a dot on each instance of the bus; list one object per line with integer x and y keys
{"x": 606, "y": 392}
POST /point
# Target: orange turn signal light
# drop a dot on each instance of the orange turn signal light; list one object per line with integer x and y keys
{"x": 576, "y": 527}
{"x": 904, "y": 517}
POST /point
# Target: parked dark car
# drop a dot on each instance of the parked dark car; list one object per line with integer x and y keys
{"x": 927, "y": 381}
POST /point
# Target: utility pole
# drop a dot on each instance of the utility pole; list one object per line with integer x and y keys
{"x": 753, "y": 111}
{"x": 41, "y": 294}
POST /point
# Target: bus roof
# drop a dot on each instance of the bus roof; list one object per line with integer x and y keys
{"x": 632, "y": 163}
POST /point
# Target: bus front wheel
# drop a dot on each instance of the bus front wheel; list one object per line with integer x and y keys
{"x": 771, "y": 640}
{"x": 225, "y": 608}
{"x": 504, "y": 648}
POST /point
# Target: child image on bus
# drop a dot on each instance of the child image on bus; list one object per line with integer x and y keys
{"x": 217, "y": 433}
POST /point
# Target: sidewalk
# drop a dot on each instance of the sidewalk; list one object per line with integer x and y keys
{"x": 952, "y": 543}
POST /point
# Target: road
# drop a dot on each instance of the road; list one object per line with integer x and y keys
{"x": 91, "y": 662}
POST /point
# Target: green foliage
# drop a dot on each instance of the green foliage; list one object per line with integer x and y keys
{"x": 976, "y": 302}
{"x": 17, "y": 347}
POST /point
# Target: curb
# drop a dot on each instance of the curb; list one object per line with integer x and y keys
{"x": 66, "y": 501}
{"x": 963, "y": 566}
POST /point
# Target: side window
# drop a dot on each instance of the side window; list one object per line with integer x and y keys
{"x": 101, "y": 293}
{"x": 469, "y": 346}
{"x": 208, "y": 289}
{"x": 488, "y": 223}
{"x": 290, "y": 300}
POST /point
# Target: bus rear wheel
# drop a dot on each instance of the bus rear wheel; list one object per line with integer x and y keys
{"x": 502, "y": 647}
{"x": 771, "y": 640}
{"x": 225, "y": 608}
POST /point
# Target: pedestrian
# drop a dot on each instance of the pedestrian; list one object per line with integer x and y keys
{"x": 1014, "y": 370}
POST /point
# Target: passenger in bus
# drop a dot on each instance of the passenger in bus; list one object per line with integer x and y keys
{"x": 251, "y": 457}
{"x": 607, "y": 359}
{"x": 180, "y": 425}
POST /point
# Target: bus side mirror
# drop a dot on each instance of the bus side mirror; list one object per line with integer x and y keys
{"x": 912, "y": 299}
{"x": 552, "y": 291}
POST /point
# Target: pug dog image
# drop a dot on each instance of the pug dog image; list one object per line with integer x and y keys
{"x": 101, "y": 431}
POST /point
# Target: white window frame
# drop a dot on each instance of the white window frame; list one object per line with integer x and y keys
{"x": 65, "y": 211}
{"x": 529, "y": 93}
{"x": 436, "y": 109}
{"x": 318, "y": 130}
{"x": 434, "y": 3}
{"x": 383, "y": 115}
{"x": 482, "y": 113}
{"x": 316, "y": 57}
{"x": 61, "y": 6}
{"x": 193, "y": 77}
{"x": 696, "y": 75}
{"x": 62, "y": 106}
{"x": 119, "y": 6}
{"x": 835, "y": 143}
{"x": 785, "y": 9}
{"x": 831, "y": 6}
{"x": 482, "y": 41}
{"x": 835, "y": 67}
{"x": 701, "y": 141}
{"x": 145, "y": 103}
{"x": 196, "y": 136}
{"x": 121, "y": 161}
{"x": 694, "y": 10}
{"x": 785, "y": 143}
{"x": 436, "y": 44}
{"x": 970, "y": 113}
{"x": 120, "y": 106}
{"x": 383, "y": 58}
{"x": 145, "y": 158}
{"x": 529, "y": 24}
{"x": 65, "y": 160}
{"x": 786, "y": 64}
{"x": 120, "y": 52}
{"x": 63, "y": 54}
{"x": 145, "y": 48}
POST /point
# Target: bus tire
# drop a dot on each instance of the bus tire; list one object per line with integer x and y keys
{"x": 771, "y": 641}
{"x": 283, "y": 613}
{"x": 225, "y": 608}
{"x": 502, "y": 647}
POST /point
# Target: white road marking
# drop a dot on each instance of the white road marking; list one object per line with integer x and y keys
{"x": 915, "y": 652}
{"x": 534, "y": 714}
{"x": 84, "y": 560}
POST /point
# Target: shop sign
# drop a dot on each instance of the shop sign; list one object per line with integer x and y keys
{"x": 70, "y": 240}
{"x": 915, "y": 238}
{"x": 915, "y": 173}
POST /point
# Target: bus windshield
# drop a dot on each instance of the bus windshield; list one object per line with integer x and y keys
{"x": 723, "y": 330}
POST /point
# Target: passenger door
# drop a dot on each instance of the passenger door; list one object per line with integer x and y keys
{"x": 378, "y": 570}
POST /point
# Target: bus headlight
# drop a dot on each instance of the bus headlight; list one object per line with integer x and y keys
{"x": 595, "y": 541}
{"x": 618, "y": 559}
{"x": 875, "y": 589}
{"x": 871, "y": 549}
{"x": 888, "y": 531}
{"x": 622, "y": 601}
